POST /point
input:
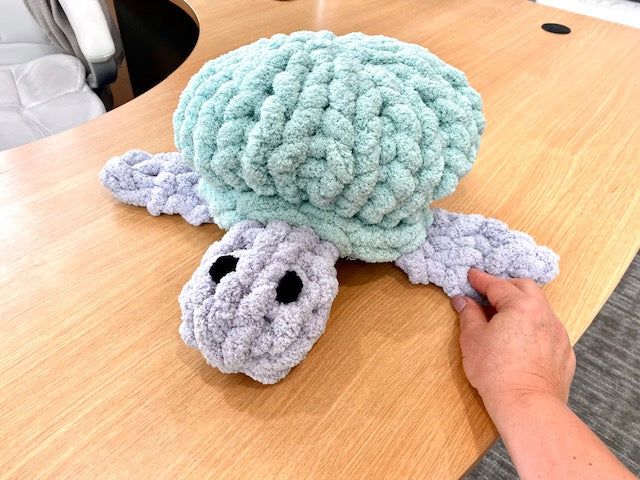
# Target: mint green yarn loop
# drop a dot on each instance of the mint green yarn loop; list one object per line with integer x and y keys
{"x": 353, "y": 136}
{"x": 353, "y": 240}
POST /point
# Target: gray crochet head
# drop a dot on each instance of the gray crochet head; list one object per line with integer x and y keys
{"x": 307, "y": 147}
{"x": 260, "y": 299}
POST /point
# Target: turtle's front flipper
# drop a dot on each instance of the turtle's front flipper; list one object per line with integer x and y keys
{"x": 457, "y": 242}
{"x": 163, "y": 183}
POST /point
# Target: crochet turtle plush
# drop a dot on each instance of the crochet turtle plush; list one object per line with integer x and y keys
{"x": 308, "y": 147}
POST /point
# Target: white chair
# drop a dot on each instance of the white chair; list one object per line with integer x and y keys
{"x": 42, "y": 89}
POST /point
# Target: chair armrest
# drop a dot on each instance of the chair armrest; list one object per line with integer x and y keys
{"x": 91, "y": 29}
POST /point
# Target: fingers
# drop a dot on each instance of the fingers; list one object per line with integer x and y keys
{"x": 489, "y": 311}
{"x": 527, "y": 286}
{"x": 498, "y": 291}
{"x": 472, "y": 316}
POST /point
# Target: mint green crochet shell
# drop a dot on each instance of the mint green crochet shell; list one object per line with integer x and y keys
{"x": 352, "y": 136}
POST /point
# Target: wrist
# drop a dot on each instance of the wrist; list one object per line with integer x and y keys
{"x": 506, "y": 407}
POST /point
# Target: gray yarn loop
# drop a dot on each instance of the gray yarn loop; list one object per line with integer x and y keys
{"x": 163, "y": 183}
{"x": 457, "y": 242}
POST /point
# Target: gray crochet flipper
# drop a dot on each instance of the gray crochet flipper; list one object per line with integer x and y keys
{"x": 260, "y": 299}
{"x": 163, "y": 183}
{"x": 456, "y": 242}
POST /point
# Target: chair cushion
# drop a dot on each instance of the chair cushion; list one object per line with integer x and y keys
{"x": 21, "y": 38}
{"x": 43, "y": 97}
{"x": 17, "y": 25}
{"x": 14, "y": 53}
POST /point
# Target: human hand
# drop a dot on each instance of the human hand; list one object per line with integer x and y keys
{"x": 516, "y": 347}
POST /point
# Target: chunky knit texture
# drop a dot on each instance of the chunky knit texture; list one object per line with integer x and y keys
{"x": 456, "y": 242}
{"x": 163, "y": 183}
{"x": 238, "y": 308}
{"x": 308, "y": 147}
{"x": 353, "y": 136}
{"x": 237, "y": 323}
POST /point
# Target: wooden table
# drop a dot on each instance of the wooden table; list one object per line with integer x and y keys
{"x": 94, "y": 379}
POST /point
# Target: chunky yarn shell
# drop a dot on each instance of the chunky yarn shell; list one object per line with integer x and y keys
{"x": 350, "y": 135}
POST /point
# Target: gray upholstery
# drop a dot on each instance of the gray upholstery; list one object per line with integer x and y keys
{"x": 13, "y": 53}
{"x": 42, "y": 90}
{"x": 84, "y": 29}
{"x": 42, "y": 97}
{"x": 21, "y": 38}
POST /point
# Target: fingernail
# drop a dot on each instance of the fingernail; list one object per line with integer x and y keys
{"x": 459, "y": 302}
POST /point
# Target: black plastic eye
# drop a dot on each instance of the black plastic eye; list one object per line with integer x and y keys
{"x": 289, "y": 287}
{"x": 222, "y": 266}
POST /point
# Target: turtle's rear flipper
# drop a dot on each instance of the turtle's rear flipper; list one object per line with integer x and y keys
{"x": 457, "y": 242}
{"x": 163, "y": 183}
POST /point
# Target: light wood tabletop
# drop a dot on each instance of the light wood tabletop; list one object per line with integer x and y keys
{"x": 94, "y": 378}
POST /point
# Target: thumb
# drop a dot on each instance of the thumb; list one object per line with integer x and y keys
{"x": 471, "y": 314}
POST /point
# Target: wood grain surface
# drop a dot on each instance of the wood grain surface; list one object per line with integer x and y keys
{"x": 94, "y": 379}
